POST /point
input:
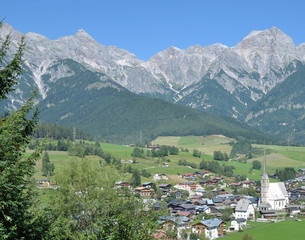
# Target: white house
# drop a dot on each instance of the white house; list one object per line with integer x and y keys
{"x": 237, "y": 224}
{"x": 160, "y": 176}
{"x": 213, "y": 228}
{"x": 244, "y": 209}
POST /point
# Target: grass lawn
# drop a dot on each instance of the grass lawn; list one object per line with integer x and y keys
{"x": 207, "y": 144}
{"x": 59, "y": 159}
{"x": 298, "y": 156}
{"x": 121, "y": 151}
{"x": 291, "y": 230}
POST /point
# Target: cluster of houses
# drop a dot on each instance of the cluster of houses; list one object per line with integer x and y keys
{"x": 184, "y": 214}
{"x": 202, "y": 214}
{"x": 295, "y": 191}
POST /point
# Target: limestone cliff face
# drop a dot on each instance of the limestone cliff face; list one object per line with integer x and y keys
{"x": 219, "y": 79}
{"x": 254, "y": 66}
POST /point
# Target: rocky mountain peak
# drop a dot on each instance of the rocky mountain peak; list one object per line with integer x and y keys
{"x": 82, "y": 34}
{"x": 264, "y": 49}
{"x": 269, "y": 40}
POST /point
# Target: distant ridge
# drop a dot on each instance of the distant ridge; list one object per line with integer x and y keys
{"x": 227, "y": 81}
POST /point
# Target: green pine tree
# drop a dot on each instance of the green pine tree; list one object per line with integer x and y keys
{"x": 45, "y": 164}
{"x": 136, "y": 178}
{"x": 16, "y": 190}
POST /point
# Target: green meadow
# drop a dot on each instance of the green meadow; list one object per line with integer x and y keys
{"x": 292, "y": 230}
{"x": 207, "y": 144}
{"x": 277, "y": 157}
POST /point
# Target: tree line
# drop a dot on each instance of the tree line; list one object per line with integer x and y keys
{"x": 162, "y": 152}
{"x": 59, "y": 132}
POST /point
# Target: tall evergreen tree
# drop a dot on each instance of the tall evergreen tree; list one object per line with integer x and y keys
{"x": 47, "y": 166}
{"x": 136, "y": 178}
{"x": 16, "y": 191}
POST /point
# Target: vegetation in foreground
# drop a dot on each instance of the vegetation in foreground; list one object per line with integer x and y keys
{"x": 72, "y": 210}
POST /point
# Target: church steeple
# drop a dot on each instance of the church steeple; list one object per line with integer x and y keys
{"x": 265, "y": 183}
{"x": 264, "y": 166}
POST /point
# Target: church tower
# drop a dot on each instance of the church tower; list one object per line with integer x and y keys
{"x": 264, "y": 184}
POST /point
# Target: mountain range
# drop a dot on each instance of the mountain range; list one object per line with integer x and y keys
{"x": 259, "y": 81}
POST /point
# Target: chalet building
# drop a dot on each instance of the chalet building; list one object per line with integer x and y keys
{"x": 297, "y": 194}
{"x": 188, "y": 186}
{"x": 122, "y": 184}
{"x": 154, "y": 147}
{"x": 194, "y": 175}
{"x": 203, "y": 182}
{"x": 187, "y": 207}
{"x": 238, "y": 184}
{"x": 248, "y": 183}
{"x": 244, "y": 209}
{"x": 218, "y": 179}
{"x": 160, "y": 176}
{"x": 165, "y": 186}
{"x": 215, "y": 211}
{"x": 293, "y": 209}
{"x": 213, "y": 228}
{"x": 301, "y": 171}
{"x": 196, "y": 198}
{"x": 201, "y": 192}
{"x": 218, "y": 201}
{"x": 177, "y": 205}
{"x": 203, "y": 209}
{"x": 169, "y": 223}
{"x": 178, "y": 194}
{"x": 144, "y": 192}
{"x": 300, "y": 178}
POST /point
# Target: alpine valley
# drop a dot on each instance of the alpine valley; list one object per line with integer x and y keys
{"x": 81, "y": 83}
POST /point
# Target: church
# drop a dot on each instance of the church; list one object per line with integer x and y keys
{"x": 274, "y": 196}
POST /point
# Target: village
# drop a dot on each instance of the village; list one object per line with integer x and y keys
{"x": 201, "y": 205}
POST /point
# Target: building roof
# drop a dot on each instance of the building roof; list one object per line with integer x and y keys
{"x": 210, "y": 223}
{"x": 147, "y": 183}
{"x": 242, "y": 205}
{"x": 239, "y": 220}
{"x": 210, "y": 202}
{"x": 163, "y": 185}
{"x": 184, "y": 213}
{"x": 277, "y": 191}
{"x": 217, "y": 200}
{"x": 188, "y": 206}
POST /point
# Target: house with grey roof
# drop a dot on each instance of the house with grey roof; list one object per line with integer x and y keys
{"x": 244, "y": 209}
{"x": 213, "y": 228}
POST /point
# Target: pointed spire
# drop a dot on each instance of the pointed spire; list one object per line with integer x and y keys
{"x": 264, "y": 167}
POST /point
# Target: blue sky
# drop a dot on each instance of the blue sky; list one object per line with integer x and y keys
{"x": 145, "y": 27}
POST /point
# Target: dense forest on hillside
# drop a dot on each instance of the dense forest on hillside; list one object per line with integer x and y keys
{"x": 59, "y": 132}
{"x": 282, "y": 109}
{"x": 108, "y": 111}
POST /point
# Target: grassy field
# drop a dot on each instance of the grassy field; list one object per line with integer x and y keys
{"x": 279, "y": 157}
{"x": 274, "y": 231}
{"x": 207, "y": 144}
